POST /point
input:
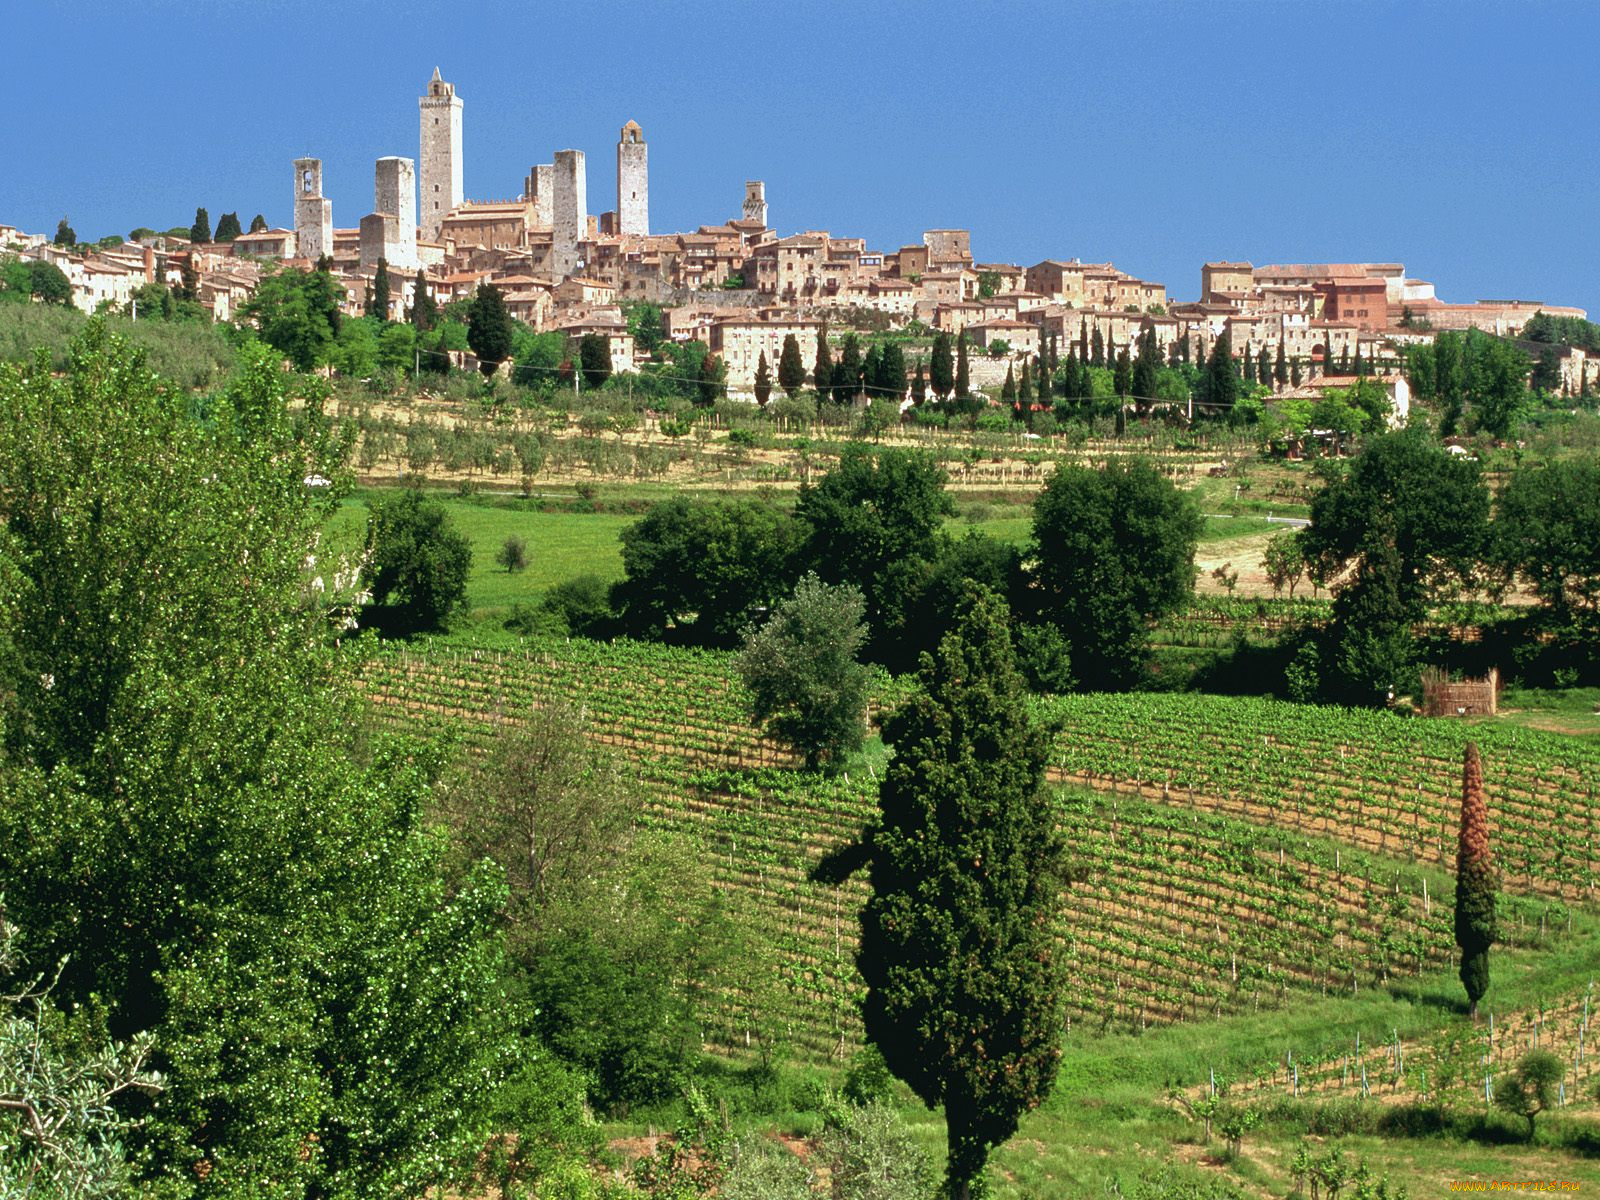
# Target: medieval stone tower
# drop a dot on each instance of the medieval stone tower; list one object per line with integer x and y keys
{"x": 755, "y": 201}
{"x": 538, "y": 189}
{"x": 633, "y": 181}
{"x": 390, "y": 230}
{"x": 570, "y": 216}
{"x": 441, "y": 154}
{"x": 313, "y": 215}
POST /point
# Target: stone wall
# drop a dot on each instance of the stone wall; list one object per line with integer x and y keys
{"x": 539, "y": 189}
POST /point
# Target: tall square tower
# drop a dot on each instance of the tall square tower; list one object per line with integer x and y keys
{"x": 633, "y": 181}
{"x": 313, "y": 213}
{"x": 571, "y": 211}
{"x": 440, "y": 154}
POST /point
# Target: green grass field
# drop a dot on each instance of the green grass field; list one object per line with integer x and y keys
{"x": 560, "y": 547}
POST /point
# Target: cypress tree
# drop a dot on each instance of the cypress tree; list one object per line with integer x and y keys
{"x": 378, "y": 301}
{"x": 200, "y": 231}
{"x": 65, "y": 235}
{"x": 228, "y": 227}
{"x": 1220, "y": 385}
{"x": 958, "y": 950}
{"x": 1025, "y": 386}
{"x": 941, "y": 371}
{"x": 258, "y": 224}
{"x": 1146, "y": 368}
{"x": 1475, "y": 882}
{"x": 1360, "y": 364}
{"x": 1083, "y": 339}
{"x": 1008, "y": 389}
{"x": 1264, "y": 368}
{"x": 1122, "y": 375}
{"x": 822, "y": 373}
{"x": 1280, "y": 369}
{"x": 1055, "y": 356}
{"x": 892, "y": 371}
{"x": 711, "y": 381}
{"x": 1097, "y": 349}
{"x": 847, "y": 372}
{"x": 1043, "y": 389}
{"x": 872, "y": 372}
{"x": 963, "y": 373}
{"x": 191, "y": 278}
{"x": 919, "y": 385}
{"x": 791, "y": 367}
{"x": 1344, "y": 359}
{"x": 1069, "y": 377}
{"x": 1111, "y": 350}
{"x": 424, "y": 312}
{"x": 490, "y": 330}
{"x": 763, "y": 380}
{"x": 1294, "y": 372}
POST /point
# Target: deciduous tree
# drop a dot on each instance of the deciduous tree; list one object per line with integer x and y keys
{"x": 420, "y": 561}
{"x": 801, "y": 669}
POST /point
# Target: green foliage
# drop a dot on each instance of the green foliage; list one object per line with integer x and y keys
{"x": 244, "y": 885}
{"x": 645, "y": 324}
{"x": 763, "y": 380}
{"x": 1476, "y": 885}
{"x": 228, "y": 228}
{"x": 1373, "y": 646}
{"x": 594, "y": 359}
{"x": 791, "y": 367}
{"x": 873, "y": 521}
{"x": 297, "y": 313}
{"x": 964, "y": 991}
{"x": 800, "y": 667}
{"x": 1115, "y": 551}
{"x": 490, "y": 330}
{"x": 705, "y": 564}
{"x": 1403, "y": 491}
{"x": 378, "y": 300}
{"x": 582, "y": 604}
{"x": 513, "y": 554}
{"x": 65, "y": 235}
{"x": 49, "y": 283}
{"x": 258, "y": 224}
{"x": 1219, "y": 386}
{"x": 200, "y": 231}
{"x": 941, "y": 369}
{"x": 963, "y": 380}
{"x": 424, "y": 311}
{"x": 1472, "y": 371}
{"x": 1547, "y": 530}
{"x": 419, "y": 562}
{"x": 822, "y": 370}
{"x": 61, "y": 1128}
{"x": 1532, "y": 1088}
{"x": 871, "y": 1156}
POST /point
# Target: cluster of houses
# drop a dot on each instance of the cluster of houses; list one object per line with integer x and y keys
{"x": 742, "y": 288}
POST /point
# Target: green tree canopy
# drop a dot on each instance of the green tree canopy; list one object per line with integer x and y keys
{"x": 958, "y": 951}
{"x": 245, "y": 885}
{"x": 800, "y": 667}
{"x": 228, "y": 228}
{"x": 791, "y": 367}
{"x": 490, "y": 329}
{"x": 1403, "y": 490}
{"x": 874, "y": 521}
{"x": 378, "y": 301}
{"x": 1115, "y": 550}
{"x": 420, "y": 562}
{"x": 1547, "y": 530}
{"x": 297, "y": 314}
{"x": 705, "y": 565}
{"x": 594, "y": 358}
{"x": 941, "y": 368}
{"x": 200, "y": 231}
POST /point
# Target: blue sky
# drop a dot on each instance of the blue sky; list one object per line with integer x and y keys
{"x": 1457, "y": 138}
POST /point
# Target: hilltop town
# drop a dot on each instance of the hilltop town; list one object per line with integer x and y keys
{"x": 742, "y": 288}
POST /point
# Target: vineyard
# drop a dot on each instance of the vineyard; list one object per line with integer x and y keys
{"x": 1386, "y": 784}
{"x": 1233, "y": 898}
{"x": 1456, "y": 1065}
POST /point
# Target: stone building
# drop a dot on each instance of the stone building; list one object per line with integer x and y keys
{"x": 741, "y": 341}
{"x": 390, "y": 230}
{"x": 755, "y": 201}
{"x": 313, "y": 214}
{"x": 569, "y": 211}
{"x": 538, "y": 189}
{"x": 633, "y": 182}
{"x": 948, "y": 249}
{"x": 442, "y": 188}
